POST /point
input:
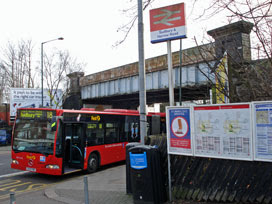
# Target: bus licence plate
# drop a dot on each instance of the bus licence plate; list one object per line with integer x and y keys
{"x": 30, "y": 169}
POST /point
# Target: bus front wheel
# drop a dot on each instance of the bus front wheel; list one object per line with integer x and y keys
{"x": 92, "y": 163}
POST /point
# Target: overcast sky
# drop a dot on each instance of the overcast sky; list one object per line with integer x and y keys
{"x": 90, "y": 28}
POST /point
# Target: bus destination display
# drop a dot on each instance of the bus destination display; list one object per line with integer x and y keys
{"x": 36, "y": 114}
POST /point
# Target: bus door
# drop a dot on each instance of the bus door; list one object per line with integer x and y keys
{"x": 74, "y": 145}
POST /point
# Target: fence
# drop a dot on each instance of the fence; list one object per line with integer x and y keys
{"x": 218, "y": 180}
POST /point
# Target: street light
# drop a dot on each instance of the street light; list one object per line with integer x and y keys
{"x": 60, "y": 38}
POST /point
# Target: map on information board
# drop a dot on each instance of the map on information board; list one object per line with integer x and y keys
{"x": 223, "y": 131}
{"x": 262, "y": 133}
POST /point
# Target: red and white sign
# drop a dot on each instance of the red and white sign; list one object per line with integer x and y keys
{"x": 179, "y": 127}
{"x": 167, "y": 23}
{"x": 179, "y": 137}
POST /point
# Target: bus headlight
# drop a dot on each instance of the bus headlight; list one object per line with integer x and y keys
{"x": 15, "y": 161}
{"x": 51, "y": 166}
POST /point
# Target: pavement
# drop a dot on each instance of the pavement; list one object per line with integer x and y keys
{"x": 106, "y": 186}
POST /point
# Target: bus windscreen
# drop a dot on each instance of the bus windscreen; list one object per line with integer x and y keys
{"x": 33, "y": 132}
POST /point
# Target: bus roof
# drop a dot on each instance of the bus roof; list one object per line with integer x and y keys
{"x": 100, "y": 112}
{"x": 93, "y": 111}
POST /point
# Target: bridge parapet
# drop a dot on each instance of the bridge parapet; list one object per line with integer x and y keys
{"x": 155, "y": 64}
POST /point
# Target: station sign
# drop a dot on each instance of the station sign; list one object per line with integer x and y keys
{"x": 167, "y": 23}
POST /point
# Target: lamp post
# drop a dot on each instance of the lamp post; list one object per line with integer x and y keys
{"x": 60, "y": 38}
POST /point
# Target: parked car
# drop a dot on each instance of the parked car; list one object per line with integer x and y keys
{"x": 5, "y": 137}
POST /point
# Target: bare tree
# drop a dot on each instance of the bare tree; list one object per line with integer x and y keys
{"x": 132, "y": 14}
{"x": 250, "y": 80}
{"x": 16, "y": 66}
{"x": 56, "y": 67}
{"x": 258, "y": 12}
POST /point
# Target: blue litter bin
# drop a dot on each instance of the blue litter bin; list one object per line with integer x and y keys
{"x": 146, "y": 177}
{"x": 128, "y": 180}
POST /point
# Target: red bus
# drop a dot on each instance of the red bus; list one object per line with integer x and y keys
{"x": 57, "y": 142}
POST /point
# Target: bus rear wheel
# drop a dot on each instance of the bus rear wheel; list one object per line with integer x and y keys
{"x": 92, "y": 163}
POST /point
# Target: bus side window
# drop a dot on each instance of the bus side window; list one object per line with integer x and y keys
{"x": 155, "y": 125}
{"x": 127, "y": 129}
{"x": 91, "y": 134}
{"x": 123, "y": 134}
{"x": 148, "y": 126}
{"x": 112, "y": 134}
{"x": 163, "y": 125}
{"x": 95, "y": 134}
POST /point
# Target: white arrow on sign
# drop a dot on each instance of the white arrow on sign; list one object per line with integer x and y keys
{"x": 166, "y": 19}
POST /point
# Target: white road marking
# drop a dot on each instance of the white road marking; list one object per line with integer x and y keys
{"x": 13, "y": 174}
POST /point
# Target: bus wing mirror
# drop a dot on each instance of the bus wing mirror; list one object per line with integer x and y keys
{"x": 54, "y": 122}
{"x": 53, "y": 126}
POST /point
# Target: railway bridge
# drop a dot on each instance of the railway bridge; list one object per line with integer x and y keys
{"x": 119, "y": 87}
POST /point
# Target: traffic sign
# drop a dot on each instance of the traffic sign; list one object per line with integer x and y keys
{"x": 167, "y": 23}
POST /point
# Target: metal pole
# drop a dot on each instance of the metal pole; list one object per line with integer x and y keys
{"x": 60, "y": 38}
{"x": 180, "y": 72}
{"x": 211, "y": 96}
{"x": 170, "y": 74}
{"x": 86, "y": 190}
{"x": 12, "y": 198}
{"x": 42, "y": 71}
{"x": 171, "y": 101}
{"x": 169, "y": 177}
{"x": 142, "y": 92}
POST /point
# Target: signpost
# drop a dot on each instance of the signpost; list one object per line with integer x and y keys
{"x": 166, "y": 24}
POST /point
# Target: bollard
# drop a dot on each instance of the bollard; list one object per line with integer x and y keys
{"x": 86, "y": 191}
{"x": 12, "y": 198}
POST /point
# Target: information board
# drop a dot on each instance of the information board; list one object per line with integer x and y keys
{"x": 223, "y": 131}
{"x": 262, "y": 130}
{"x": 179, "y": 134}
